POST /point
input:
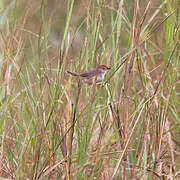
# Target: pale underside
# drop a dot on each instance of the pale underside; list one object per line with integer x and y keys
{"x": 92, "y": 76}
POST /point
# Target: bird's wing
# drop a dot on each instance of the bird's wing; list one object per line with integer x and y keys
{"x": 89, "y": 74}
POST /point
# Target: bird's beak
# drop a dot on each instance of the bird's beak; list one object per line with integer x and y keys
{"x": 108, "y": 68}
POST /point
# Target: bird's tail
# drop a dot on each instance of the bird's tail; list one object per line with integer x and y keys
{"x": 72, "y": 73}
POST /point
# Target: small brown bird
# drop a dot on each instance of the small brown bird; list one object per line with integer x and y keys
{"x": 93, "y": 76}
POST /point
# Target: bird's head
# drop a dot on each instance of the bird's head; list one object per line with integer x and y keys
{"x": 103, "y": 68}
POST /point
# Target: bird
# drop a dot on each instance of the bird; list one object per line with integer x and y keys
{"x": 93, "y": 76}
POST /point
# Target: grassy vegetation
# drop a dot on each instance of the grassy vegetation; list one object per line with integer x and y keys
{"x": 54, "y": 127}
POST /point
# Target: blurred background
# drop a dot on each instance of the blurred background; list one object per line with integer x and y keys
{"x": 55, "y": 127}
